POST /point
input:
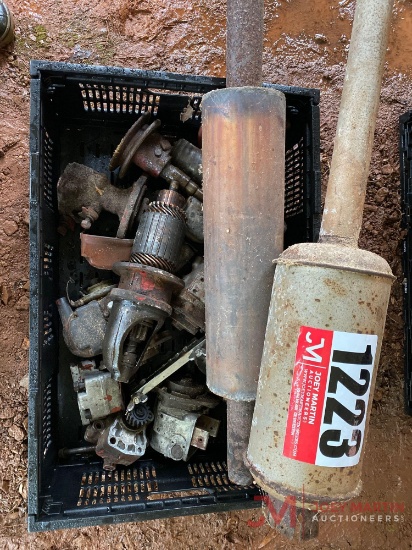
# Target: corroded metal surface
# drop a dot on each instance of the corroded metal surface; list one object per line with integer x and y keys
{"x": 83, "y": 328}
{"x": 161, "y": 232}
{"x": 83, "y": 193}
{"x": 239, "y": 419}
{"x": 149, "y": 150}
{"x": 189, "y": 304}
{"x": 342, "y": 216}
{"x": 313, "y": 287}
{"x": 244, "y": 43}
{"x": 244, "y": 225}
{"x": 188, "y": 157}
{"x": 140, "y": 306}
{"x": 103, "y": 252}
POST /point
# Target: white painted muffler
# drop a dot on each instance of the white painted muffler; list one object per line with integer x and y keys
{"x": 327, "y": 314}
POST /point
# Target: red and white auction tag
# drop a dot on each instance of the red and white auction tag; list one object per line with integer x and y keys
{"x": 329, "y": 397}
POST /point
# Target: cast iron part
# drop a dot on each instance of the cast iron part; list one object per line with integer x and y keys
{"x": 136, "y": 315}
{"x": 141, "y": 303}
{"x": 144, "y": 146}
{"x": 83, "y": 193}
{"x": 140, "y": 307}
{"x": 98, "y": 395}
{"x": 95, "y": 292}
{"x": 84, "y": 328}
{"x": 181, "y": 424}
{"x": 194, "y": 220}
{"x": 6, "y": 25}
{"x": 161, "y": 232}
{"x": 117, "y": 442}
{"x": 188, "y": 157}
{"x": 189, "y": 305}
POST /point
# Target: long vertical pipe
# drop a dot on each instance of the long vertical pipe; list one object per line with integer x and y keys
{"x": 243, "y": 166}
{"x": 345, "y": 197}
{"x": 244, "y": 59}
{"x": 244, "y": 43}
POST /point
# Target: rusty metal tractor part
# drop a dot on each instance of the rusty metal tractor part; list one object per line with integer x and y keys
{"x": 6, "y": 25}
{"x": 243, "y": 150}
{"x": 161, "y": 232}
{"x": 189, "y": 305}
{"x": 181, "y": 423}
{"x": 98, "y": 395}
{"x": 188, "y": 157}
{"x": 327, "y": 315}
{"x": 83, "y": 328}
{"x": 244, "y": 228}
{"x": 103, "y": 252}
{"x": 141, "y": 303}
{"x": 187, "y": 253}
{"x": 120, "y": 440}
{"x": 194, "y": 220}
{"x": 67, "y": 453}
{"x": 83, "y": 193}
{"x": 149, "y": 150}
{"x": 188, "y": 353}
{"x": 94, "y": 292}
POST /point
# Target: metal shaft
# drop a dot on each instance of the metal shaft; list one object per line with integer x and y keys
{"x": 345, "y": 197}
{"x": 244, "y": 43}
{"x": 243, "y": 221}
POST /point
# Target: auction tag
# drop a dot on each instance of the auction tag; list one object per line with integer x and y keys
{"x": 329, "y": 397}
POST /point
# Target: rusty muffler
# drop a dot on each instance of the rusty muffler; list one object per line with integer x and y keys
{"x": 327, "y": 313}
{"x": 243, "y": 173}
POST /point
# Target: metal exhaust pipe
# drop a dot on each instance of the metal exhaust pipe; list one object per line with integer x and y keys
{"x": 327, "y": 314}
{"x": 243, "y": 167}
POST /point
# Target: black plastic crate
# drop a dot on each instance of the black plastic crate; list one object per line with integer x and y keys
{"x": 79, "y": 114}
{"x": 405, "y": 151}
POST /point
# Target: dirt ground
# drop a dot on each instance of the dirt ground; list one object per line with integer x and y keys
{"x": 306, "y": 44}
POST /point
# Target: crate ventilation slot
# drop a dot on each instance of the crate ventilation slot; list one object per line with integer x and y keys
{"x": 195, "y": 105}
{"x": 48, "y": 260}
{"x": 48, "y": 326}
{"x": 294, "y": 175}
{"x": 48, "y": 169}
{"x": 118, "y": 99}
{"x": 125, "y": 485}
{"x": 211, "y": 475}
{"x": 47, "y": 417}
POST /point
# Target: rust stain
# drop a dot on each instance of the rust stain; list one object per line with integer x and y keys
{"x": 335, "y": 287}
